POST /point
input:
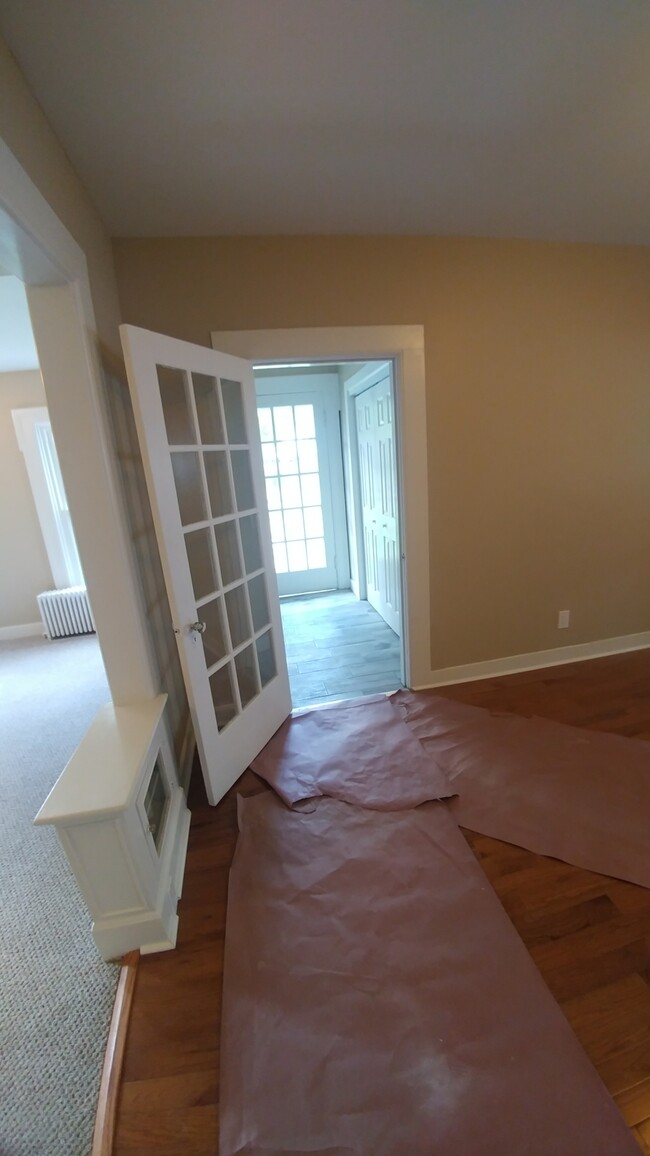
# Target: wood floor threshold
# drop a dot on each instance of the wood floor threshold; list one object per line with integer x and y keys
{"x": 109, "y": 1088}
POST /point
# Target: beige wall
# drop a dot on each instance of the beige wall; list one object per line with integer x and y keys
{"x": 538, "y": 392}
{"x": 25, "y": 570}
{"x": 28, "y": 134}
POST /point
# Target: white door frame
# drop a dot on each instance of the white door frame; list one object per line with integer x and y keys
{"x": 403, "y": 345}
{"x": 36, "y": 247}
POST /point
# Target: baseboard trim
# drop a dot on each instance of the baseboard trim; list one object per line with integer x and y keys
{"x": 25, "y": 630}
{"x": 106, "y": 1115}
{"x": 518, "y": 663}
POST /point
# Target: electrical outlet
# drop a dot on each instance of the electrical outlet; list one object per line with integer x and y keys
{"x": 563, "y": 619}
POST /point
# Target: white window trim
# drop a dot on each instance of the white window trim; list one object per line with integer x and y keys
{"x": 58, "y": 536}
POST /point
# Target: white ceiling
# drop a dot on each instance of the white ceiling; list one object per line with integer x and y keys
{"x": 17, "y": 348}
{"x": 490, "y": 117}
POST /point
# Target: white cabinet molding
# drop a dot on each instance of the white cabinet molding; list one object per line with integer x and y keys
{"x": 121, "y": 816}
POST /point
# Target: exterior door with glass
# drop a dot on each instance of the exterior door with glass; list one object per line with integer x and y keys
{"x": 301, "y": 451}
{"x": 197, "y": 427}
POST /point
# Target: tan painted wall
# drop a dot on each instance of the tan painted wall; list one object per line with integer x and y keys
{"x": 538, "y": 389}
{"x": 25, "y": 570}
{"x": 28, "y": 134}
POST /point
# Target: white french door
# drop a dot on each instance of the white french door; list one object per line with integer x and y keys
{"x": 378, "y": 476}
{"x": 301, "y": 450}
{"x": 197, "y": 427}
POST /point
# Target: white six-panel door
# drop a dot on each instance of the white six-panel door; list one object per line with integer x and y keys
{"x": 378, "y": 476}
{"x": 197, "y": 425}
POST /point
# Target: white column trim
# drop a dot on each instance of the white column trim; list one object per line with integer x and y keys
{"x": 36, "y": 246}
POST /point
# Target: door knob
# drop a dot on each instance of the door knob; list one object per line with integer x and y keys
{"x": 198, "y": 627}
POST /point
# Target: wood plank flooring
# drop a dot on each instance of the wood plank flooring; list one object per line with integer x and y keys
{"x": 589, "y": 936}
{"x": 338, "y": 647}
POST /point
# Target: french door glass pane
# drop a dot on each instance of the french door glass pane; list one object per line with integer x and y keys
{"x": 266, "y": 658}
{"x": 223, "y": 696}
{"x": 283, "y": 422}
{"x": 206, "y": 396}
{"x": 214, "y": 638}
{"x": 266, "y": 424}
{"x": 304, "y": 417}
{"x": 294, "y": 526}
{"x": 238, "y": 615}
{"x": 259, "y": 602}
{"x": 233, "y": 407}
{"x": 200, "y": 557}
{"x": 308, "y": 456}
{"x": 273, "y": 497}
{"x": 250, "y": 540}
{"x": 316, "y": 553}
{"x": 189, "y": 487}
{"x": 313, "y": 516}
{"x": 287, "y": 458}
{"x": 280, "y": 558}
{"x": 246, "y": 668}
{"x": 216, "y": 472}
{"x": 178, "y": 418}
{"x": 290, "y": 492}
{"x": 297, "y": 555}
{"x": 293, "y": 487}
{"x": 310, "y": 486}
{"x": 243, "y": 478}
{"x": 228, "y": 552}
{"x": 277, "y": 525}
{"x": 270, "y": 459}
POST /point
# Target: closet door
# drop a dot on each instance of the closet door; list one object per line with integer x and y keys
{"x": 378, "y": 475}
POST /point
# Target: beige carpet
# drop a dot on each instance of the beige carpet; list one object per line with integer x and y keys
{"x": 56, "y": 993}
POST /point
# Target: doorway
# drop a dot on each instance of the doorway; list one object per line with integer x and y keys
{"x": 332, "y": 486}
{"x": 403, "y": 347}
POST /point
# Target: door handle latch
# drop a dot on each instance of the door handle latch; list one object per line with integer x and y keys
{"x": 194, "y": 627}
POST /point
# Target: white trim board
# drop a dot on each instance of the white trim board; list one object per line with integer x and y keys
{"x": 403, "y": 345}
{"x": 24, "y": 630}
{"x": 536, "y": 659}
{"x": 36, "y": 247}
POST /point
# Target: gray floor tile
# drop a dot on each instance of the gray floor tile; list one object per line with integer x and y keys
{"x": 338, "y": 648}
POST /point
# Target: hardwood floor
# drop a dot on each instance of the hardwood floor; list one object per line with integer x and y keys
{"x": 589, "y": 936}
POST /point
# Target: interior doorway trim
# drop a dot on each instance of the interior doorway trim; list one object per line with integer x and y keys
{"x": 403, "y": 345}
{"x": 36, "y": 247}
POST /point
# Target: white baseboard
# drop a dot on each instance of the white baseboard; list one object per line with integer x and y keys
{"x": 25, "y": 630}
{"x": 513, "y": 664}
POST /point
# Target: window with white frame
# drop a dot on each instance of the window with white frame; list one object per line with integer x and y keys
{"x": 36, "y": 443}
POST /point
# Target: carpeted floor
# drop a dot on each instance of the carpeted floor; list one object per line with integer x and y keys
{"x": 56, "y": 994}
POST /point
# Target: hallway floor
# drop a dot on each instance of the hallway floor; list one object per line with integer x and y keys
{"x": 338, "y": 647}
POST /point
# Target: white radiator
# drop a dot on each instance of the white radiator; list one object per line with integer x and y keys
{"x": 66, "y": 612}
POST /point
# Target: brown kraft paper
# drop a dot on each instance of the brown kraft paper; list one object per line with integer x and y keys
{"x": 378, "y": 1002}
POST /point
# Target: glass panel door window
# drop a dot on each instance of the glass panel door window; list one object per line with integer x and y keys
{"x": 207, "y": 440}
{"x": 294, "y": 453}
{"x": 196, "y": 418}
